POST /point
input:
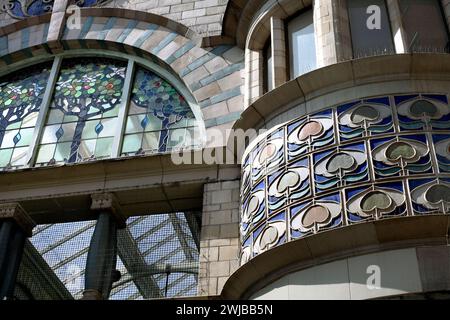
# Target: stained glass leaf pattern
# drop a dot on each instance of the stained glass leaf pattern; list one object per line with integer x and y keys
{"x": 87, "y": 97}
{"x": 20, "y": 9}
{"x": 20, "y": 100}
{"x": 164, "y": 112}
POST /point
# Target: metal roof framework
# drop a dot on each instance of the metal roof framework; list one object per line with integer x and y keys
{"x": 157, "y": 257}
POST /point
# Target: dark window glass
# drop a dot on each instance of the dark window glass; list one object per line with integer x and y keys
{"x": 368, "y": 36}
{"x": 424, "y": 24}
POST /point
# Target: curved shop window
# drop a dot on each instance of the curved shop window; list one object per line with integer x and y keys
{"x": 93, "y": 112}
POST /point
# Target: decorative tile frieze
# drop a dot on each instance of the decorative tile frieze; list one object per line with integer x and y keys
{"x": 369, "y": 159}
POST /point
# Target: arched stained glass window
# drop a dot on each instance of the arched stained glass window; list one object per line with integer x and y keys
{"x": 83, "y": 114}
{"x": 159, "y": 118}
{"x": 81, "y": 119}
{"x": 20, "y": 100}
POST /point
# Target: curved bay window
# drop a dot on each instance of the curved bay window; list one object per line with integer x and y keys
{"x": 20, "y": 99}
{"x": 302, "y": 45}
{"x": 83, "y": 120}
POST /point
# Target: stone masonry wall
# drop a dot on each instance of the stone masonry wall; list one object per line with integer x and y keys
{"x": 325, "y": 33}
{"x": 219, "y": 242}
{"x": 203, "y": 16}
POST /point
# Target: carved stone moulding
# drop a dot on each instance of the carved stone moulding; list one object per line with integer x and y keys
{"x": 108, "y": 202}
{"x": 17, "y": 213}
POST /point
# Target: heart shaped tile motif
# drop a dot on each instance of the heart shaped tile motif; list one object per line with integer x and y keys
{"x": 269, "y": 237}
{"x": 438, "y": 194}
{"x": 423, "y": 108}
{"x": 288, "y": 180}
{"x": 400, "y": 150}
{"x": 375, "y": 200}
{"x": 364, "y": 113}
{"x": 315, "y": 215}
{"x": 311, "y": 129}
{"x": 340, "y": 162}
{"x": 267, "y": 152}
{"x": 253, "y": 205}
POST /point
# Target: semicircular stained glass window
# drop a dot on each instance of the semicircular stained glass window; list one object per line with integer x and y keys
{"x": 159, "y": 118}
{"x": 20, "y": 99}
{"x": 83, "y": 114}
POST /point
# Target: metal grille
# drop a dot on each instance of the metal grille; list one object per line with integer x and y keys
{"x": 157, "y": 257}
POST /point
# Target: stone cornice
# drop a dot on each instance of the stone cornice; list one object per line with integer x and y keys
{"x": 333, "y": 245}
{"x": 345, "y": 75}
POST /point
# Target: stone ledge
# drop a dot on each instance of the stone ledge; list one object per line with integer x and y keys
{"x": 334, "y": 245}
{"x": 345, "y": 75}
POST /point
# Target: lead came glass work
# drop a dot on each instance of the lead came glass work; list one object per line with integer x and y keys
{"x": 21, "y": 9}
{"x": 83, "y": 114}
{"x": 348, "y": 164}
{"x": 159, "y": 118}
{"x": 20, "y": 101}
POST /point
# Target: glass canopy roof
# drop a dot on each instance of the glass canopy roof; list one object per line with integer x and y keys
{"x": 157, "y": 255}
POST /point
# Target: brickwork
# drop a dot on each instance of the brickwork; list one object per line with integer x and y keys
{"x": 325, "y": 33}
{"x": 219, "y": 243}
{"x": 254, "y": 61}
{"x": 341, "y": 25}
{"x": 203, "y": 16}
{"x": 279, "y": 71}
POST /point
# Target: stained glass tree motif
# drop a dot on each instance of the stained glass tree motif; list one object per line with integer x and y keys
{"x": 83, "y": 114}
{"x": 90, "y": 3}
{"x": 20, "y": 101}
{"x": 159, "y": 119}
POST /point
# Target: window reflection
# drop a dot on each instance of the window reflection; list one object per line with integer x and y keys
{"x": 302, "y": 44}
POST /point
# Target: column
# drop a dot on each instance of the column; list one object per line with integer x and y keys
{"x": 254, "y": 75}
{"x": 101, "y": 270}
{"x": 219, "y": 239}
{"x": 15, "y": 227}
{"x": 398, "y": 31}
{"x": 325, "y": 33}
{"x": 341, "y": 23}
{"x": 278, "y": 46}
